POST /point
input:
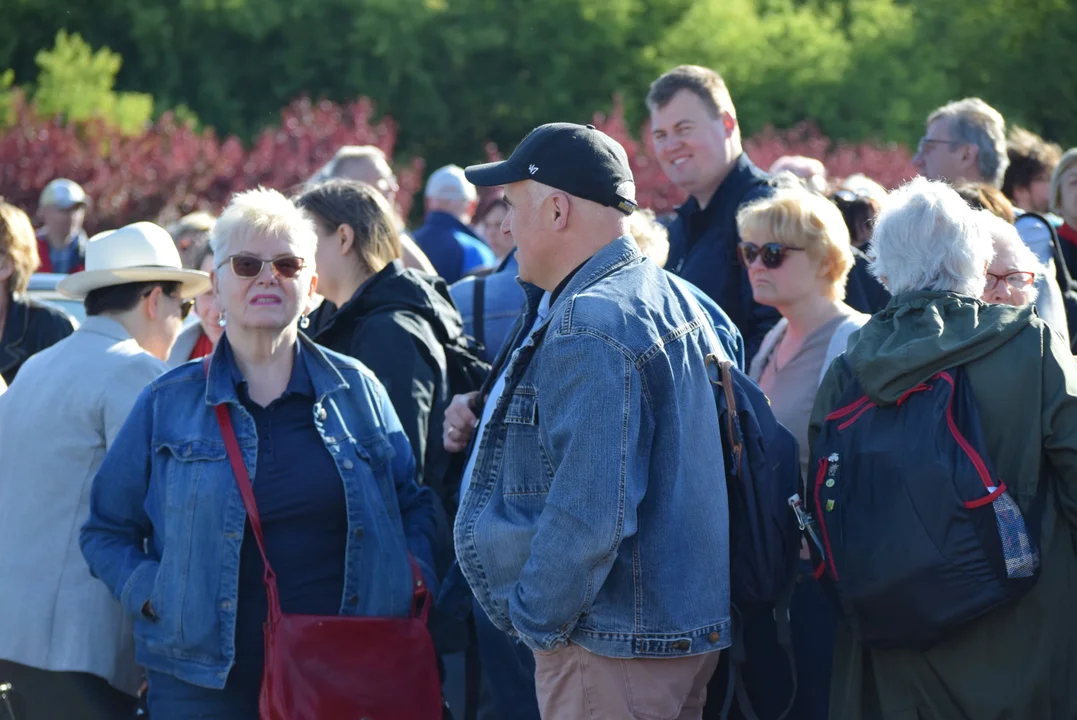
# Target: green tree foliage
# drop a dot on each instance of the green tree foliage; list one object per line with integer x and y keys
{"x": 75, "y": 82}
{"x": 455, "y": 73}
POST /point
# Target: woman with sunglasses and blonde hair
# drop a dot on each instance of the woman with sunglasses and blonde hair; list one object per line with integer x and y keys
{"x": 331, "y": 478}
{"x": 797, "y": 252}
{"x": 796, "y": 249}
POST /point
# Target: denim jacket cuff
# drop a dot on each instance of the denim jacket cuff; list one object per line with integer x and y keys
{"x": 139, "y": 586}
{"x": 545, "y": 641}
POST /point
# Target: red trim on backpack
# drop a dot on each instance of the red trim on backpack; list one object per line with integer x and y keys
{"x": 822, "y": 523}
{"x": 847, "y": 410}
{"x": 856, "y": 417}
{"x": 820, "y": 570}
{"x": 915, "y": 389}
{"x": 986, "y": 500}
{"x": 977, "y": 461}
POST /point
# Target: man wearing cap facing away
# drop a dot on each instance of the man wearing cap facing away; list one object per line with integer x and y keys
{"x": 61, "y": 240}
{"x": 593, "y": 519}
{"x": 66, "y": 644}
{"x": 446, "y": 238}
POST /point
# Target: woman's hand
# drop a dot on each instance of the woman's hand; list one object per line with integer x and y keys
{"x": 460, "y": 422}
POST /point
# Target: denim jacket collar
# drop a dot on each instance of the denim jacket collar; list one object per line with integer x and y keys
{"x": 221, "y": 388}
{"x": 618, "y": 253}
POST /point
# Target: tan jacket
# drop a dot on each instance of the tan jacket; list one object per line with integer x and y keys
{"x": 56, "y": 422}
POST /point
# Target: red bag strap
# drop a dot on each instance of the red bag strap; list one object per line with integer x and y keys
{"x": 420, "y": 605}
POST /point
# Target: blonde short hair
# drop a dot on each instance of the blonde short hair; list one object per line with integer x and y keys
{"x": 263, "y": 212}
{"x": 651, "y": 236}
{"x": 797, "y": 217}
{"x": 1068, "y": 161}
{"x": 18, "y": 243}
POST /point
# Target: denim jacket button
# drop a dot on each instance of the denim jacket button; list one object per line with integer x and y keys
{"x": 347, "y": 464}
{"x": 322, "y": 414}
{"x": 682, "y": 645}
{"x": 225, "y": 604}
{"x": 358, "y": 532}
{"x": 713, "y": 637}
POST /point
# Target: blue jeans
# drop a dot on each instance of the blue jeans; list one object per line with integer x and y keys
{"x": 508, "y": 669}
{"x": 173, "y": 699}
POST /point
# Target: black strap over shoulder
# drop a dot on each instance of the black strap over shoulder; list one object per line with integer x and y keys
{"x": 478, "y": 310}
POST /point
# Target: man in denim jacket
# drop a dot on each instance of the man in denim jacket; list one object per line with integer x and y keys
{"x": 593, "y": 517}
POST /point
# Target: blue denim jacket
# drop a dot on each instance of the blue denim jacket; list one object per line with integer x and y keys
{"x": 503, "y": 303}
{"x": 167, "y": 520}
{"x": 597, "y": 509}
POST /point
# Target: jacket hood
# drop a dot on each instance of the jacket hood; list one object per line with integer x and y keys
{"x": 922, "y": 333}
{"x": 398, "y": 288}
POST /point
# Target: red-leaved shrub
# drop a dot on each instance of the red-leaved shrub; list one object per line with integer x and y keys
{"x": 170, "y": 169}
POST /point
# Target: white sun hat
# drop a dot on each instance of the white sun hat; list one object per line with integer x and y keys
{"x": 140, "y": 252}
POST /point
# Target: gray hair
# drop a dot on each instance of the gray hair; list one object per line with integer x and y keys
{"x": 1004, "y": 236}
{"x": 263, "y": 212}
{"x": 927, "y": 238}
{"x": 373, "y": 153}
{"x": 1068, "y": 161}
{"x": 973, "y": 122}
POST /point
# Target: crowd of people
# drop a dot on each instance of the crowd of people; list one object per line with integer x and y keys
{"x": 502, "y": 425}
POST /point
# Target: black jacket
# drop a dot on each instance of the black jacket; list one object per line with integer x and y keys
{"x": 396, "y": 324}
{"x": 30, "y": 327}
{"x": 703, "y": 251}
{"x": 863, "y": 291}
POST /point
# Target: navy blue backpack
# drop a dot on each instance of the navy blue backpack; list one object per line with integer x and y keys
{"x": 763, "y": 484}
{"x": 915, "y": 534}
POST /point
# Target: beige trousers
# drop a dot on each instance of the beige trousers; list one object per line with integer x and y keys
{"x": 574, "y": 684}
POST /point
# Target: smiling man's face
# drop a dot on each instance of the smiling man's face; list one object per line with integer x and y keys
{"x": 691, "y": 144}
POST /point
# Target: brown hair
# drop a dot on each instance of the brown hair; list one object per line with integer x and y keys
{"x": 19, "y": 244}
{"x": 362, "y": 208}
{"x": 705, "y": 83}
{"x": 981, "y": 196}
{"x": 1031, "y": 158}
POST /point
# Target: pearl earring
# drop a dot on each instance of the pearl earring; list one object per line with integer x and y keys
{"x": 221, "y": 319}
{"x": 304, "y": 322}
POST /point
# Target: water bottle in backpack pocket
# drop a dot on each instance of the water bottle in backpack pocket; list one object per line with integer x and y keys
{"x": 918, "y": 535}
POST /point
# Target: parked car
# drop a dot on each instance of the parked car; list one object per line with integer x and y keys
{"x": 42, "y": 287}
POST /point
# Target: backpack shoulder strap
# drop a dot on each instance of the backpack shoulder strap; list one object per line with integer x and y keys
{"x": 478, "y": 310}
{"x": 724, "y": 380}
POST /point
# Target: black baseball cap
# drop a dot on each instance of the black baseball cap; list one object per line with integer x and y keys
{"x": 579, "y": 159}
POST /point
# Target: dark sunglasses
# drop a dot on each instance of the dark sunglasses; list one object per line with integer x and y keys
{"x": 249, "y": 266}
{"x": 185, "y": 305}
{"x": 772, "y": 254}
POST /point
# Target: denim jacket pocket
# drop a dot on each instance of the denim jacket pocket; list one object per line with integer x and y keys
{"x": 527, "y": 469}
{"x": 194, "y": 471}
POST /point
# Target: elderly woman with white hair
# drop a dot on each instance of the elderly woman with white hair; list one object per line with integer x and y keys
{"x": 1018, "y": 659}
{"x": 171, "y": 531}
{"x": 1014, "y": 269}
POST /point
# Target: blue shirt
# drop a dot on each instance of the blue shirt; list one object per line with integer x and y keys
{"x": 302, "y": 506}
{"x": 452, "y": 247}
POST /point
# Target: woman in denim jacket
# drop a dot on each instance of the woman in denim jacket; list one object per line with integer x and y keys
{"x": 332, "y": 471}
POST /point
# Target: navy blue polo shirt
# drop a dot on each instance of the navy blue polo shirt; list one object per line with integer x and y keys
{"x": 301, "y": 502}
